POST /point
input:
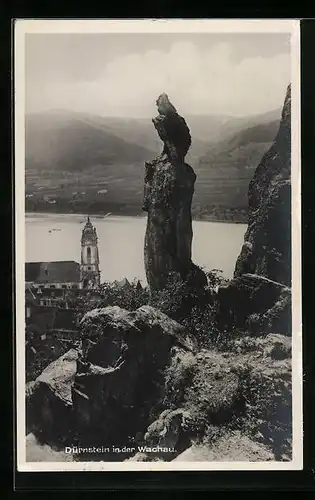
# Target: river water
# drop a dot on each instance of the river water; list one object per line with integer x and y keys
{"x": 53, "y": 237}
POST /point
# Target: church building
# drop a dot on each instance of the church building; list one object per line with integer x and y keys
{"x": 89, "y": 270}
{"x": 61, "y": 275}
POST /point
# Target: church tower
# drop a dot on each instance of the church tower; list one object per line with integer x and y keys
{"x": 89, "y": 270}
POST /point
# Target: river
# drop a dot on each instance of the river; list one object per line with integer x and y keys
{"x": 53, "y": 237}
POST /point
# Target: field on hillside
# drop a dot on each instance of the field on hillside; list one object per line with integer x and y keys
{"x": 81, "y": 163}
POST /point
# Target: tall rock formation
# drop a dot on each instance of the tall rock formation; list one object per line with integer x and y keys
{"x": 267, "y": 243}
{"x": 168, "y": 192}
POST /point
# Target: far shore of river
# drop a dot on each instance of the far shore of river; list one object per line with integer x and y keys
{"x": 205, "y": 218}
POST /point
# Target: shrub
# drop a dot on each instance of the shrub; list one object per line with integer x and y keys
{"x": 39, "y": 354}
{"x": 128, "y": 296}
{"x": 176, "y": 299}
{"x": 268, "y": 409}
{"x": 178, "y": 376}
{"x": 195, "y": 308}
{"x": 202, "y": 324}
{"x": 215, "y": 279}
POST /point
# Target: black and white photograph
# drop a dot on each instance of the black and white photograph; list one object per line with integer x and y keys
{"x": 157, "y": 194}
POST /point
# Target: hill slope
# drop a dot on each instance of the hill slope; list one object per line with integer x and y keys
{"x": 75, "y": 142}
{"x": 81, "y": 162}
{"x": 74, "y": 163}
{"x": 226, "y": 169}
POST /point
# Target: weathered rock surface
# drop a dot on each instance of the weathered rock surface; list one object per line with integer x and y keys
{"x": 198, "y": 390}
{"x": 267, "y": 242}
{"x": 169, "y": 187}
{"x": 170, "y": 433}
{"x": 172, "y": 130}
{"x": 37, "y": 452}
{"x": 49, "y": 397}
{"x": 247, "y": 386}
{"x": 204, "y": 386}
{"x": 166, "y": 437}
{"x": 234, "y": 447}
{"x": 255, "y": 303}
{"x": 137, "y": 345}
{"x": 112, "y": 388}
{"x": 138, "y": 381}
{"x": 250, "y": 382}
{"x": 59, "y": 375}
{"x": 140, "y": 324}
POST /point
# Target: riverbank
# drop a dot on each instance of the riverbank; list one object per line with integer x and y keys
{"x": 203, "y": 218}
{"x": 51, "y": 237}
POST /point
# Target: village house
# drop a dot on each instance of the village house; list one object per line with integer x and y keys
{"x": 52, "y": 290}
{"x": 68, "y": 274}
{"x": 52, "y": 275}
{"x": 48, "y": 320}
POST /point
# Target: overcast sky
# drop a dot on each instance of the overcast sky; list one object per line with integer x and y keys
{"x": 123, "y": 74}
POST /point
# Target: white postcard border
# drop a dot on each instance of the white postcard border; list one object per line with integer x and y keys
{"x": 22, "y": 27}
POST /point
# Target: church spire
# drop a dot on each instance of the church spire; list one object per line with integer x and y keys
{"x": 88, "y": 223}
{"x": 90, "y": 273}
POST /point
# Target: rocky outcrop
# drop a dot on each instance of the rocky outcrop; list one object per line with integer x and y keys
{"x": 172, "y": 130}
{"x": 169, "y": 187}
{"x": 139, "y": 382}
{"x": 233, "y": 447}
{"x": 38, "y": 452}
{"x": 114, "y": 385}
{"x": 246, "y": 387}
{"x": 196, "y": 394}
{"x": 204, "y": 386}
{"x": 166, "y": 431}
{"x": 267, "y": 242}
{"x": 256, "y": 304}
{"x": 49, "y": 398}
{"x": 258, "y": 299}
{"x": 143, "y": 325}
{"x": 166, "y": 437}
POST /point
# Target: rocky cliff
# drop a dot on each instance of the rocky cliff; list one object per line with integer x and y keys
{"x": 259, "y": 296}
{"x": 169, "y": 188}
{"x": 141, "y": 389}
{"x": 112, "y": 386}
{"x": 267, "y": 242}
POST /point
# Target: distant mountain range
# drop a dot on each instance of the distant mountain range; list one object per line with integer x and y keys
{"x": 84, "y": 163}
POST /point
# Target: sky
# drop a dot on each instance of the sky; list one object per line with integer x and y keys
{"x": 123, "y": 74}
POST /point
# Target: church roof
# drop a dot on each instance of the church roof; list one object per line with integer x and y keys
{"x": 52, "y": 272}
